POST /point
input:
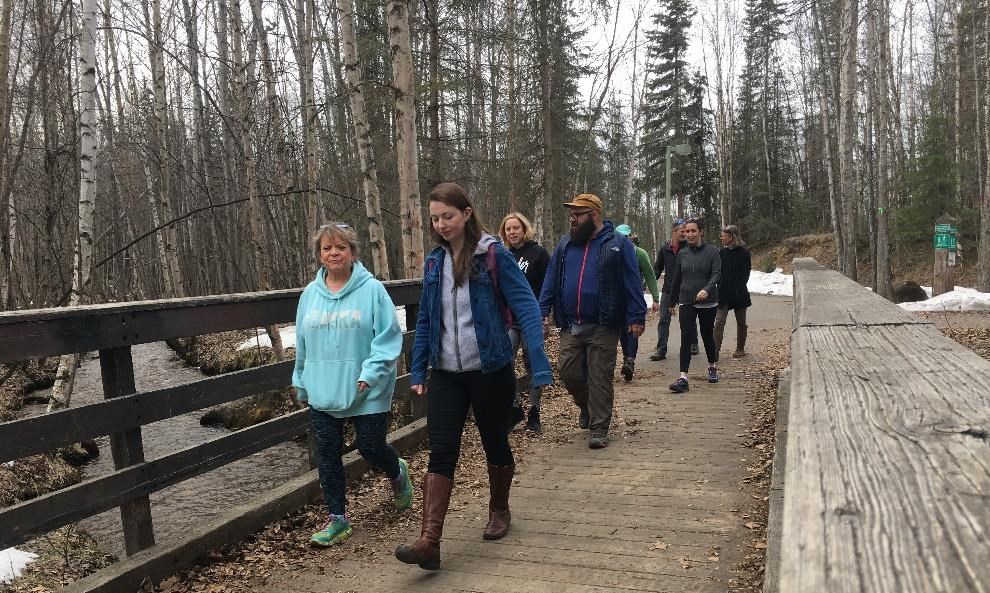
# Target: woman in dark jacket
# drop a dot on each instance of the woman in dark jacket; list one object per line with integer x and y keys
{"x": 517, "y": 233}
{"x": 732, "y": 291}
{"x": 695, "y": 288}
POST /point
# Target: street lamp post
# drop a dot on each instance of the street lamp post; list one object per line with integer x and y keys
{"x": 680, "y": 149}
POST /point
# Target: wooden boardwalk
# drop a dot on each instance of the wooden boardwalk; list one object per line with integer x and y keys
{"x": 662, "y": 508}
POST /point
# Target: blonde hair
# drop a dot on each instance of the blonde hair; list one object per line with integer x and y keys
{"x": 528, "y": 232}
{"x": 733, "y": 231}
{"x": 334, "y": 230}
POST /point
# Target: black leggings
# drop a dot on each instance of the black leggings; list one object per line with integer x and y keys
{"x": 448, "y": 397}
{"x": 689, "y": 335}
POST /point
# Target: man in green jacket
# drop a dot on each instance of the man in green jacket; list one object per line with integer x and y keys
{"x": 630, "y": 343}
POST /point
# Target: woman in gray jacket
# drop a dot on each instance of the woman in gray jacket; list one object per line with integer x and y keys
{"x": 695, "y": 288}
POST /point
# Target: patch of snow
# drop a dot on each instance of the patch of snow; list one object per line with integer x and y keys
{"x": 288, "y": 334}
{"x": 12, "y": 562}
{"x": 960, "y": 299}
{"x": 775, "y": 283}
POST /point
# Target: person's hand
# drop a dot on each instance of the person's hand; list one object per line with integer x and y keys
{"x": 418, "y": 389}
{"x": 673, "y": 310}
{"x": 362, "y": 386}
{"x": 655, "y": 306}
{"x": 636, "y": 330}
{"x": 702, "y": 295}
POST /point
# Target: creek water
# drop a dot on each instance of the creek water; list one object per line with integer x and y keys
{"x": 190, "y": 503}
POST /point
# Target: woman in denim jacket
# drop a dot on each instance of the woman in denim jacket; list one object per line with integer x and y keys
{"x": 471, "y": 287}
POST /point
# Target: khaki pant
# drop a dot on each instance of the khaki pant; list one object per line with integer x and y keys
{"x": 587, "y": 365}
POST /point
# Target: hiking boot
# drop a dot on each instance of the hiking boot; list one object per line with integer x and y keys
{"x": 533, "y": 422}
{"x": 628, "y": 366}
{"x": 680, "y": 385}
{"x": 739, "y": 353}
{"x": 598, "y": 440}
{"x": 516, "y": 415}
{"x": 425, "y": 552}
{"x": 584, "y": 419}
{"x": 402, "y": 489}
{"x": 659, "y": 354}
{"x": 713, "y": 374}
{"x": 694, "y": 349}
{"x": 335, "y": 530}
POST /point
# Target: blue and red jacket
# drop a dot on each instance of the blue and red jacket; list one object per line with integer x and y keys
{"x": 594, "y": 283}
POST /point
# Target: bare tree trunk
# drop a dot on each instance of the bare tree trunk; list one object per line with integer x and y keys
{"x": 881, "y": 112}
{"x": 634, "y": 111}
{"x": 257, "y": 222}
{"x": 542, "y": 219}
{"x": 983, "y": 258}
{"x": 433, "y": 22}
{"x": 847, "y": 133}
{"x": 362, "y": 135}
{"x": 407, "y": 158}
{"x": 512, "y": 109}
{"x": 305, "y": 20}
{"x": 66, "y": 374}
{"x": 957, "y": 116}
{"x": 6, "y": 255}
{"x": 827, "y": 91}
{"x": 173, "y": 274}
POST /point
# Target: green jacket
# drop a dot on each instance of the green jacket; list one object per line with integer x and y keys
{"x": 646, "y": 270}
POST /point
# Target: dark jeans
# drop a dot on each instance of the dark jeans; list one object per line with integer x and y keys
{"x": 448, "y": 397}
{"x": 663, "y": 328}
{"x": 587, "y": 366}
{"x": 328, "y": 432}
{"x": 630, "y": 344}
{"x": 706, "y": 321}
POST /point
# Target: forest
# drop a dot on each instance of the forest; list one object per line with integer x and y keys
{"x": 169, "y": 148}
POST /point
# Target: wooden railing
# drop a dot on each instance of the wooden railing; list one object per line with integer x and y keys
{"x": 112, "y": 329}
{"x": 887, "y": 471}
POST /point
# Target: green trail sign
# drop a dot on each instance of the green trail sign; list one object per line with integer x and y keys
{"x": 946, "y": 236}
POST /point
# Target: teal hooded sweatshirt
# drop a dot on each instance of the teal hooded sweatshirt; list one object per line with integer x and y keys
{"x": 345, "y": 337}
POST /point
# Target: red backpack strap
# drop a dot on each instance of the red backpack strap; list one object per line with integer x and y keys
{"x": 491, "y": 264}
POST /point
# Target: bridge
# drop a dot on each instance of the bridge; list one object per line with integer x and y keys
{"x": 879, "y": 482}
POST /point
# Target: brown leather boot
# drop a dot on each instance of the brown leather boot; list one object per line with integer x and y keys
{"x": 499, "y": 482}
{"x": 740, "y": 341}
{"x": 426, "y": 550}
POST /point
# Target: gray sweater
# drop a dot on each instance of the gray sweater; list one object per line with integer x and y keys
{"x": 458, "y": 342}
{"x": 697, "y": 268}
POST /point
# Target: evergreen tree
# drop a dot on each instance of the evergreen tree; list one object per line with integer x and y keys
{"x": 665, "y": 105}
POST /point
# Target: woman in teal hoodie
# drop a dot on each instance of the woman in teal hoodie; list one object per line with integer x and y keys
{"x": 347, "y": 342}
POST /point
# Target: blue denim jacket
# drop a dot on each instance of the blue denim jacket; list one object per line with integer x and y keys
{"x": 489, "y": 324}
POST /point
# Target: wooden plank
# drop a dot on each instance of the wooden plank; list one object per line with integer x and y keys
{"x": 163, "y": 560}
{"x": 826, "y": 297}
{"x": 58, "y": 429}
{"x": 771, "y": 576}
{"x": 887, "y": 464}
{"x": 127, "y": 448}
{"x": 51, "y": 332}
{"x": 136, "y": 481}
{"x": 39, "y": 434}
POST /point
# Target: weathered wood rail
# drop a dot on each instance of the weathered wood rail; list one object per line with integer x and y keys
{"x": 112, "y": 329}
{"x": 887, "y": 471}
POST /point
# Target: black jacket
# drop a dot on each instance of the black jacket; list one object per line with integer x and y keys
{"x": 665, "y": 263}
{"x": 533, "y": 261}
{"x": 736, "y": 265}
{"x": 697, "y": 268}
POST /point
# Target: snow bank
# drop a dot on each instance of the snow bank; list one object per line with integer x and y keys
{"x": 960, "y": 299}
{"x": 775, "y": 283}
{"x": 12, "y": 562}
{"x": 288, "y": 334}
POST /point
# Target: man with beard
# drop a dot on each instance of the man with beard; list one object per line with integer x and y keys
{"x": 594, "y": 290}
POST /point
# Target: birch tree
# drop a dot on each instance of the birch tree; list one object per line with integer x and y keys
{"x": 400, "y": 46}
{"x": 849, "y": 35}
{"x": 362, "y": 136}
{"x": 66, "y": 374}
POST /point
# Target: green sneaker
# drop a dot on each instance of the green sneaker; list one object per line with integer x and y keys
{"x": 402, "y": 490}
{"x": 335, "y": 530}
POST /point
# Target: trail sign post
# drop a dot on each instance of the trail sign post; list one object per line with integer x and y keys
{"x": 945, "y": 242}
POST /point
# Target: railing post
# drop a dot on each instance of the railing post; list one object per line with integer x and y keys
{"x": 417, "y": 404}
{"x": 117, "y": 369}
